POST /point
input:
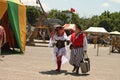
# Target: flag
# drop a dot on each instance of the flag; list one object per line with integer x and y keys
{"x": 72, "y": 10}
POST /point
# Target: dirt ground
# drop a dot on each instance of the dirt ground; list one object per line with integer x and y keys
{"x": 37, "y": 64}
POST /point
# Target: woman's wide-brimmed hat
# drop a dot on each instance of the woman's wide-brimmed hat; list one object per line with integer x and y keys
{"x": 57, "y": 26}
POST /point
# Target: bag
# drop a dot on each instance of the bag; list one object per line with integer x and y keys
{"x": 85, "y": 65}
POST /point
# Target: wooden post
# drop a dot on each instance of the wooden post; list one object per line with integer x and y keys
{"x": 44, "y": 13}
{"x": 97, "y": 49}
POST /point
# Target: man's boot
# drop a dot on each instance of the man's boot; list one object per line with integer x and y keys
{"x": 77, "y": 70}
{"x": 74, "y": 68}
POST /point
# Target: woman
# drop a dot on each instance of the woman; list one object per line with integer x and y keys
{"x": 78, "y": 48}
{"x": 58, "y": 40}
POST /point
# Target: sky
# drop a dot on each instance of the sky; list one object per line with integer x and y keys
{"x": 84, "y": 8}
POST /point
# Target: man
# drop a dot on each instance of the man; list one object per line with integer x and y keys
{"x": 78, "y": 48}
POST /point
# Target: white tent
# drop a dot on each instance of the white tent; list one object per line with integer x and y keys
{"x": 115, "y": 33}
{"x": 96, "y": 30}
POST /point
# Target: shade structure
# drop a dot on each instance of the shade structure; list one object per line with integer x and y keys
{"x": 15, "y": 12}
{"x": 69, "y": 27}
{"x": 96, "y": 30}
{"x": 115, "y": 33}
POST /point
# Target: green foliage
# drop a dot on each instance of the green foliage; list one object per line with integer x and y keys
{"x": 58, "y": 15}
{"x": 66, "y": 16}
{"x": 75, "y": 18}
{"x": 32, "y": 14}
{"x": 110, "y": 21}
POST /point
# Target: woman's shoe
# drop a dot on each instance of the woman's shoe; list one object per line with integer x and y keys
{"x": 57, "y": 70}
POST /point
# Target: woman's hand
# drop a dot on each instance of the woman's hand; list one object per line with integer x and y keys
{"x": 71, "y": 46}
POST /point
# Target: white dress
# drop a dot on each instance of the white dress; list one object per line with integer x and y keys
{"x": 62, "y": 51}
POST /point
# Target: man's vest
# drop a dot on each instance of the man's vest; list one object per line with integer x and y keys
{"x": 77, "y": 42}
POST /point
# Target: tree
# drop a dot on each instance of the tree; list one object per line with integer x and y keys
{"x": 66, "y": 16}
{"x": 110, "y": 21}
{"x": 32, "y": 14}
{"x": 106, "y": 24}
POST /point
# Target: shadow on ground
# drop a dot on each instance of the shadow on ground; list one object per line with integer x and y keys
{"x": 74, "y": 74}
{"x": 53, "y": 72}
{"x": 10, "y": 52}
{"x": 33, "y": 45}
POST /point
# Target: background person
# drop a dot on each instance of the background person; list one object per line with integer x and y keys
{"x": 2, "y": 38}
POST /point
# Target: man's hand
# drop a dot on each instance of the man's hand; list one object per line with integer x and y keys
{"x": 85, "y": 51}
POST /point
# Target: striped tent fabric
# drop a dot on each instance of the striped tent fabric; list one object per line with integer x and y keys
{"x": 17, "y": 15}
{"x": 69, "y": 27}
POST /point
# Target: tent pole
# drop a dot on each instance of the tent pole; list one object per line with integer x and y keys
{"x": 97, "y": 49}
